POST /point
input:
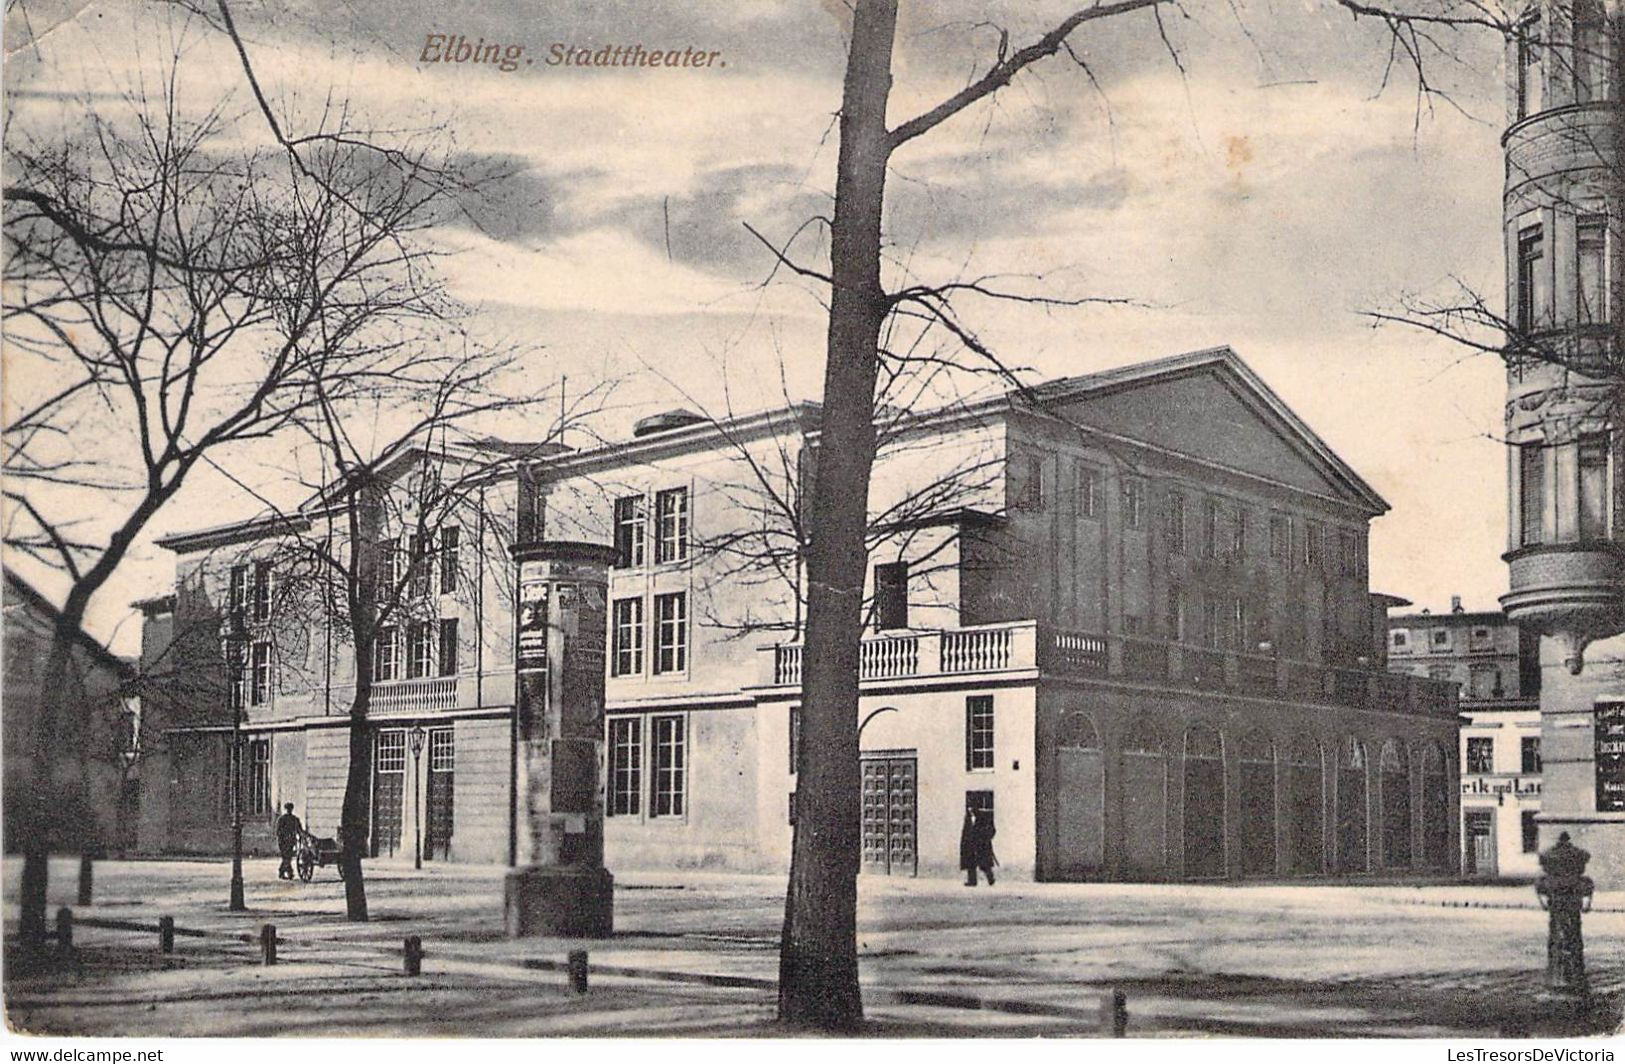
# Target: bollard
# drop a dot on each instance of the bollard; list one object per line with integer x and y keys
{"x": 268, "y": 942}
{"x": 1565, "y": 892}
{"x": 414, "y": 955}
{"x": 578, "y": 970}
{"x": 64, "y": 929}
{"x": 166, "y": 934}
{"x": 1119, "y": 1014}
{"x": 86, "y": 878}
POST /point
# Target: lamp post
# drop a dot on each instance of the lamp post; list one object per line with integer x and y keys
{"x": 236, "y": 643}
{"x": 417, "y": 736}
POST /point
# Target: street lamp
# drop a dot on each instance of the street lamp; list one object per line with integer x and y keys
{"x": 417, "y": 736}
{"x": 236, "y": 643}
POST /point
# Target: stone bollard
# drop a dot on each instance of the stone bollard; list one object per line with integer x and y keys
{"x": 413, "y": 953}
{"x": 1119, "y": 1014}
{"x": 1565, "y": 892}
{"x": 578, "y": 970}
{"x": 166, "y": 934}
{"x": 64, "y": 930}
{"x": 268, "y": 942}
{"x": 86, "y": 877}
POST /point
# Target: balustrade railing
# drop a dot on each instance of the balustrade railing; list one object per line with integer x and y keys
{"x": 1080, "y": 653}
{"x": 415, "y": 696}
{"x": 975, "y": 649}
{"x": 889, "y": 657}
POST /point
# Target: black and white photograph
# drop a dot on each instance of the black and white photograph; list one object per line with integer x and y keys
{"x": 883, "y": 520}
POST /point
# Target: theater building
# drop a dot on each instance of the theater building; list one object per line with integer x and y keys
{"x": 1128, "y": 612}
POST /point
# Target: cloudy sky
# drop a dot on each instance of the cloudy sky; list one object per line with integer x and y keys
{"x": 1262, "y": 191}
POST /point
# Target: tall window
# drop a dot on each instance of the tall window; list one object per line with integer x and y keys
{"x": 420, "y": 637}
{"x": 1175, "y": 522}
{"x": 1348, "y": 553}
{"x": 1591, "y": 271}
{"x": 1176, "y": 614}
{"x": 1210, "y": 621}
{"x": 1280, "y": 537}
{"x": 391, "y": 758}
{"x": 260, "y": 682}
{"x": 630, "y": 529}
{"x": 1531, "y": 77}
{"x": 1087, "y": 500}
{"x": 1210, "y": 528}
{"x": 625, "y": 766}
{"x": 442, "y": 750}
{"x": 237, "y": 686}
{"x": 417, "y": 550}
{"x": 385, "y": 655}
{"x": 237, "y": 596}
{"x": 627, "y": 658}
{"x": 1534, "y": 287}
{"x": 257, "y": 791}
{"x": 671, "y": 766}
{"x": 1312, "y": 545}
{"x": 262, "y": 590}
{"x": 1026, "y": 482}
{"x": 1593, "y": 461}
{"x": 1593, "y": 81}
{"x": 1529, "y": 830}
{"x": 448, "y": 559}
{"x": 1531, "y": 493}
{"x": 1480, "y": 754}
{"x": 389, "y": 551}
{"x": 671, "y": 632}
{"x": 1238, "y": 624}
{"x": 891, "y": 596}
{"x": 448, "y": 647}
{"x": 1238, "y": 534}
{"x": 795, "y": 738}
{"x": 1133, "y": 503}
{"x": 979, "y": 732}
{"x": 671, "y": 525}
{"x": 1529, "y": 755}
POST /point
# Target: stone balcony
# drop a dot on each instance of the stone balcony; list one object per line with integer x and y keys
{"x": 1569, "y": 591}
{"x": 1026, "y": 647}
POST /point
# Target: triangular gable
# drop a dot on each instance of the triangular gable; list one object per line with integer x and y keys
{"x": 1212, "y": 407}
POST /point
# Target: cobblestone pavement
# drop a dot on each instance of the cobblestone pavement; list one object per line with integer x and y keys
{"x": 1267, "y": 959}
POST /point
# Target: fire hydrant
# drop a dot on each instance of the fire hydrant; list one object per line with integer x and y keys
{"x": 1565, "y": 892}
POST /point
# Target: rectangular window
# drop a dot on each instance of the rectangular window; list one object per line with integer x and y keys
{"x": 1534, "y": 288}
{"x": 891, "y": 596}
{"x": 391, "y": 757}
{"x": 1591, "y": 273}
{"x": 384, "y": 587}
{"x": 671, "y": 635}
{"x": 795, "y": 738}
{"x": 1531, "y": 493}
{"x": 385, "y": 655}
{"x": 1531, "y": 77}
{"x": 1026, "y": 484}
{"x": 1348, "y": 553}
{"x": 442, "y": 750}
{"x": 1210, "y": 622}
{"x": 979, "y": 802}
{"x": 1399, "y": 639}
{"x": 671, "y": 521}
{"x": 418, "y": 558}
{"x": 1280, "y": 537}
{"x": 262, "y": 590}
{"x": 1530, "y": 830}
{"x": 1176, "y": 615}
{"x": 979, "y": 732}
{"x": 1593, "y": 460}
{"x": 630, "y": 530}
{"x": 1480, "y": 754}
{"x": 1529, "y": 754}
{"x": 625, "y": 766}
{"x": 671, "y": 766}
{"x": 1238, "y": 534}
{"x": 627, "y": 659}
{"x": 1133, "y": 503}
{"x": 1238, "y": 625}
{"x": 237, "y": 677}
{"x": 1174, "y": 523}
{"x": 1592, "y": 62}
{"x": 420, "y": 637}
{"x": 1087, "y": 499}
{"x": 237, "y": 596}
{"x": 447, "y": 661}
{"x": 1312, "y": 545}
{"x": 260, "y": 685}
{"x": 1210, "y": 528}
{"x": 257, "y": 789}
{"x": 448, "y": 559}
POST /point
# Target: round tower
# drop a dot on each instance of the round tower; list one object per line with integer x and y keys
{"x": 1562, "y": 223}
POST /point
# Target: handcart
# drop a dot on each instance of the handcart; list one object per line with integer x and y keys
{"x": 316, "y": 853}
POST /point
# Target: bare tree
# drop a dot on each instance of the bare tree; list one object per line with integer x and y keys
{"x": 171, "y": 295}
{"x": 818, "y": 973}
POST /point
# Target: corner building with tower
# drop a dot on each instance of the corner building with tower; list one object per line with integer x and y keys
{"x": 1127, "y": 612}
{"x": 1565, "y": 380}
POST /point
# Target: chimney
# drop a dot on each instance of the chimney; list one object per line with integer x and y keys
{"x": 1455, "y": 604}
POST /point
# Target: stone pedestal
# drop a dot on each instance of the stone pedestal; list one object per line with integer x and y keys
{"x": 562, "y": 901}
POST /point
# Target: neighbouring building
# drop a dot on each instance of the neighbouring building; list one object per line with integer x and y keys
{"x": 1128, "y": 612}
{"x": 1563, "y": 212}
{"x": 89, "y": 769}
{"x": 1496, "y": 666}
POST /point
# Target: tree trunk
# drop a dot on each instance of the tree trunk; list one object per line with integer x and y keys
{"x": 353, "y": 817}
{"x": 818, "y": 962}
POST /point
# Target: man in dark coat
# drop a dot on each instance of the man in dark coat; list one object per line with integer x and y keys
{"x": 288, "y": 830}
{"x": 976, "y": 846}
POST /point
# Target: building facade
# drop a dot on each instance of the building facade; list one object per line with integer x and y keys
{"x": 1128, "y": 612}
{"x": 1496, "y": 666}
{"x": 1562, "y": 222}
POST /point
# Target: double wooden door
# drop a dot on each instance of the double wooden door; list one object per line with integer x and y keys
{"x": 890, "y": 815}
